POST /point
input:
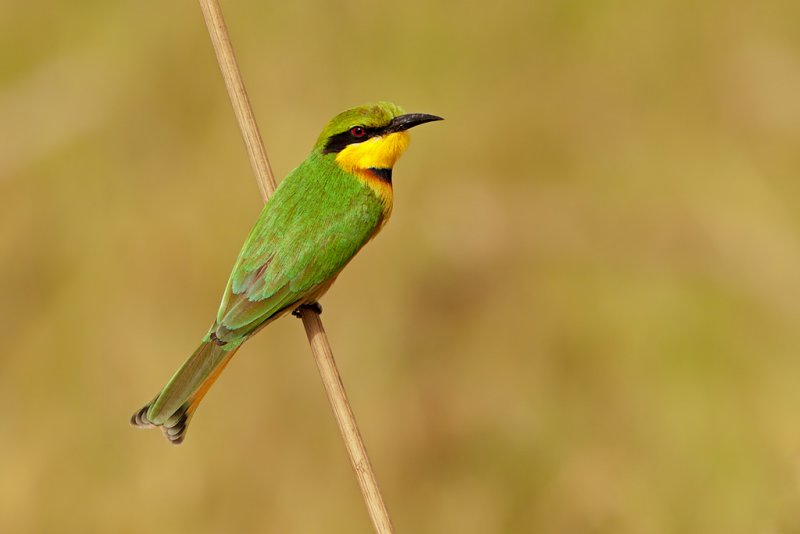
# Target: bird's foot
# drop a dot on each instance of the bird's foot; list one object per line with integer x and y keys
{"x": 314, "y": 306}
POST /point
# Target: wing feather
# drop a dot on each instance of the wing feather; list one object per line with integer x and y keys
{"x": 308, "y": 231}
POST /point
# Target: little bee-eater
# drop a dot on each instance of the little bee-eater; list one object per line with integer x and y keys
{"x": 312, "y": 226}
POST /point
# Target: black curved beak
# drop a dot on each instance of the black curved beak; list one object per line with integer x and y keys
{"x": 404, "y": 122}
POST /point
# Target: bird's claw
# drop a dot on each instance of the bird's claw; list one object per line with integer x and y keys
{"x": 314, "y": 306}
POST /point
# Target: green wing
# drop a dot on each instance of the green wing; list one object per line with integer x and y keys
{"x": 312, "y": 226}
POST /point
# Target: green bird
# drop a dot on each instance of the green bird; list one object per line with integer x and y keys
{"x": 319, "y": 217}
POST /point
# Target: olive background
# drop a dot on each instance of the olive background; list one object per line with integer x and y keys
{"x": 583, "y": 317}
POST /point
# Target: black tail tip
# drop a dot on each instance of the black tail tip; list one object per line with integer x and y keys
{"x": 140, "y": 420}
{"x": 174, "y": 431}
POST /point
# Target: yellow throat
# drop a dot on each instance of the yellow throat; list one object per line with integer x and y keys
{"x": 375, "y": 153}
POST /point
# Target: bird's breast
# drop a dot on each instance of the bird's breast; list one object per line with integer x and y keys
{"x": 379, "y": 181}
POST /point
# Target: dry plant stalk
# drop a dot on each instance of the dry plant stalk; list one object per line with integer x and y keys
{"x": 323, "y": 355}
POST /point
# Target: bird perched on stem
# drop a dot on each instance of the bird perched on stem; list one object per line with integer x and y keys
{"x": 319, "y": 217}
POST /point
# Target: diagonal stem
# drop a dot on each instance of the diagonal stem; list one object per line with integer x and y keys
{"x": 212, "y": 12}
{"x": 318, "y": 339}
{"x": 347, "y": 422}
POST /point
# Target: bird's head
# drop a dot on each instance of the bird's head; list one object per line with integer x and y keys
{"x": 369, "y": 137}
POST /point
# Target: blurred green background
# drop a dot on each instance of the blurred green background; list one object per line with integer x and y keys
{"x": 582, "y": 318}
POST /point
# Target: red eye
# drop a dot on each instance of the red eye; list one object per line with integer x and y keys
{"x": 358, "y": 131}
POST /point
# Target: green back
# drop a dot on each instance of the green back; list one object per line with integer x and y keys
{"x": 315, "y": 222}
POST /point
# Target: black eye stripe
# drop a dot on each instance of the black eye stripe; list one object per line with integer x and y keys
{"x": 338, "y": 141}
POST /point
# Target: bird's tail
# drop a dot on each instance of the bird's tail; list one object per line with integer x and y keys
{"x": 173, "y": 407}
